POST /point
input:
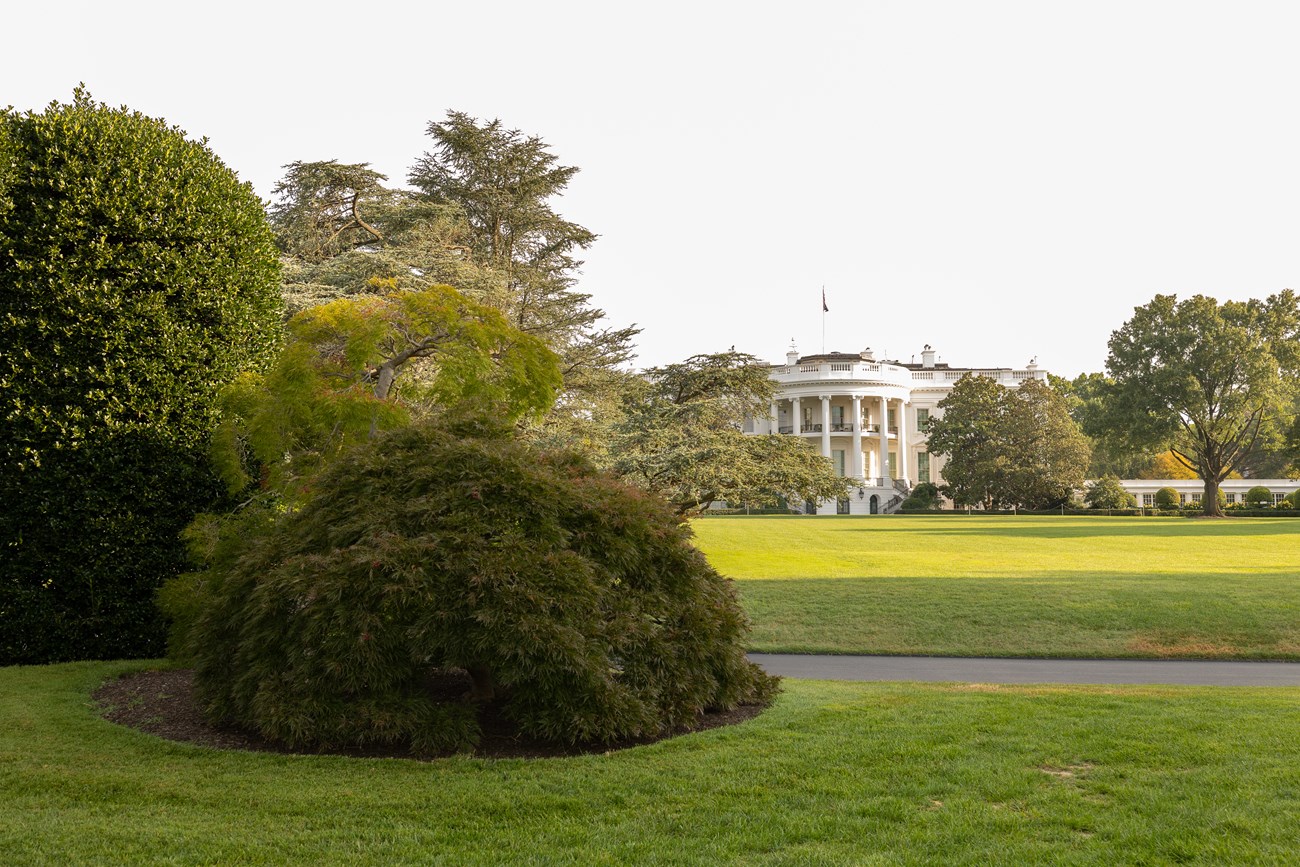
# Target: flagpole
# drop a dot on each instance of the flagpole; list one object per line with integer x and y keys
{"x": 824, "y": 319}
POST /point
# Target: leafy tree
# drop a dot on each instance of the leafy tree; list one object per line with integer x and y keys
{"x": 1008, "y": 447}
{"x": 1167, "y": 466}
{"x": 925, "y": 496}
{"x": 1210, "y": 382}
{"x": 1084, "y": 395}
{"x": 357, "y": 365}
{"x": 576, "y": 604}
{"x": 1108, "y": 493}
{"x": 681, "y": 437}
{"x": 137, "y": 276}
{"x": 969, "y": 433}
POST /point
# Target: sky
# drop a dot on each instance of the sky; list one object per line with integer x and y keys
{"x": 999, "y": 180}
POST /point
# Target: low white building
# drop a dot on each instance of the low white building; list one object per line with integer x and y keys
{"x": 1191, "y": 490}
{"x": 869, "y": 418}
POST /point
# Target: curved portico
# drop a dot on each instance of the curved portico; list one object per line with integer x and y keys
{"x": 856, "y": 408}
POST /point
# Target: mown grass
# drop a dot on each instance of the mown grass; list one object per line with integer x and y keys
{"x": 1015, "y": 585}
{"x": 833, "y": 774}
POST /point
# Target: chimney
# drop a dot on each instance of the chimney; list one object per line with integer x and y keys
{"x": 867, "y": 356}
{"x": 792, "y": 354}
{"x": 927, "y": 356}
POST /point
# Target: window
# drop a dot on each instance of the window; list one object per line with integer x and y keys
{"x": 1277, "y": 498}
{"x": 1196, "y": 498}
{"x": 922, "y": 467}
{"x": 893, "y": 465}
{"x": 838, "y": 456}
{"x": 837, "y": 415}
{"x": 1148, "y": 499}
{"x": 923, "y": 420}
{"x": 1230, "y": 498}
{"x": 1182, "y": 499}
{"x": 893, "y": 419}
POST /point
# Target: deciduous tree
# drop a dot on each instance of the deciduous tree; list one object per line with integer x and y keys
{"x": 1209, "y": 382}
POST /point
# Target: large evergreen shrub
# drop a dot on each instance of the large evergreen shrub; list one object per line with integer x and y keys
{"x": 1167, "y": 498}
{"x": 137, "y": 275}
{"x": 1108, "y": 493}
{"x": 576, "y": 601}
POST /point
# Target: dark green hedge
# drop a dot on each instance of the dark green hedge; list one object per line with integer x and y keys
{"x": 137, "y": 275}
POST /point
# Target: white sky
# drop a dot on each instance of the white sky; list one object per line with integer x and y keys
{"x": 998, "y": 179}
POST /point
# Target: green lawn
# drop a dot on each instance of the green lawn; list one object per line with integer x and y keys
{"x": 834, "y": 774}
{"x": 1015, "y": 585}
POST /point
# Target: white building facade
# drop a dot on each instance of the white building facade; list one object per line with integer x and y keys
{"x": 869, "y": 418}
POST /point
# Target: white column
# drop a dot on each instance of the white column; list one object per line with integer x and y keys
{"x": 774, "y": 419}
{"x": 795, "y": 417}
{"x": 857, "y": 437}
{"x": 884, "y": 438}
{"x": 826, "y": 425}
{"x": 902, "y": 440}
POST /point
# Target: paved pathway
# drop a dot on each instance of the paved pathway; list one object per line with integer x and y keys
{"x": 984, "y": 670}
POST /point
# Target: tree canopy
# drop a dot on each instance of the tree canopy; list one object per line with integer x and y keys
{"x": 681, "y": 437}
{"x": 1209, "y": 382}
{"x": 357, "y": 365}
{"x": 137, "y": 276}
{"x": 1008, "y": 447}
{"x": 481, "y": 219}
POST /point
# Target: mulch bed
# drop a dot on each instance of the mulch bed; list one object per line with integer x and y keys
{"x": 162, "y": 703}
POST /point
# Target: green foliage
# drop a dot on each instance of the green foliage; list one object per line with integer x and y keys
{"x": 358, "y": 365}
{"x": 1211, "y": 382}
{"x": 1111, "y": 455}
{"x": 1167, "y": 498}
{"x": 137, "y": 276}
{"x": 481, "y": 220}
{"x": 924, "y": 496}
{"x": 680, "y": 437}
{"x": 1108, "y": 493}
{"x": 1008, "y": 448}
{"x": 1259, "y": 497}
{"x": 577, "y": 601}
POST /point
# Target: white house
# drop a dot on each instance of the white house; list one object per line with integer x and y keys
{"x": 869, "y": 418}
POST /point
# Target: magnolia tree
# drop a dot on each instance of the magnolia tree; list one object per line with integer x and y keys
{"x": 1008, "y": 447}
{"x": 137, "y": 277}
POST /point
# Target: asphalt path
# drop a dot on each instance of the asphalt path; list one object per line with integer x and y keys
{"x": 988, "y": 670}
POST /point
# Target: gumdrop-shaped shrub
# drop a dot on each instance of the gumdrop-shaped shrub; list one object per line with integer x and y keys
{"x": 575, "y": 602}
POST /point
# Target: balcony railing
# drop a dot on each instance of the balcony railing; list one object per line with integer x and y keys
{"x": 841, "y": 427}
{"x": 786, "y": 429}
{"x": 811, "y": 428}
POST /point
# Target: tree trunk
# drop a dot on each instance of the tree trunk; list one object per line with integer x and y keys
{"x": 1210, "y": 499}
{"x": 484, "y": 690}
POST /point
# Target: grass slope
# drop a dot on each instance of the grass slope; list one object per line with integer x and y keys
{"x": 834, "y": 774}
{"x": 1015, "y": 585}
